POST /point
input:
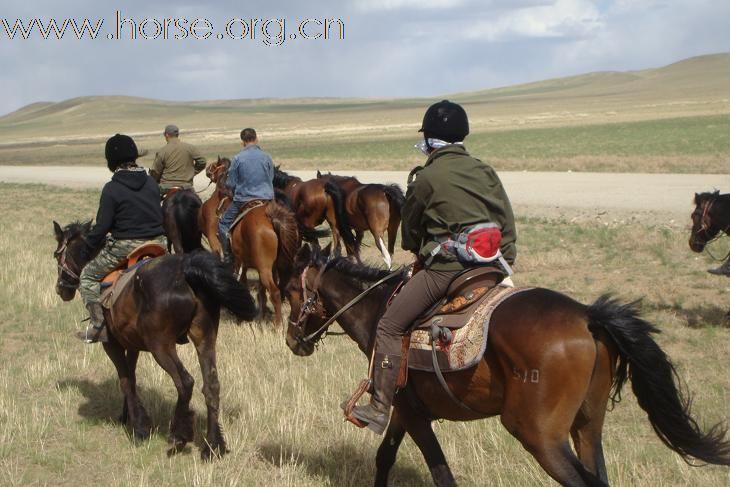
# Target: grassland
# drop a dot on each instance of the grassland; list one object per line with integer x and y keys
{"x": 280, "y": 413}
{"x": 670, "y": 119}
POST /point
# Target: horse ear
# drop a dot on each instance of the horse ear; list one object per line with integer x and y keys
{"x": 319, "y": 174}
{"x": 87, "y": 227}
{"x": 58, "y": 230}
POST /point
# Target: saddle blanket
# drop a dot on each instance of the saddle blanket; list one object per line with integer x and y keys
{"x": 468, "y": 343}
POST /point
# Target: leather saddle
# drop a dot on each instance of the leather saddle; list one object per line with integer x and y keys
{"x": 134, "y": 259}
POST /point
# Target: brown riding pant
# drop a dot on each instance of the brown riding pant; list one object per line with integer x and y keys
{"x": 420, "y": 293}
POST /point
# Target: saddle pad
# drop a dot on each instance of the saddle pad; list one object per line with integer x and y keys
{"x": 244, "y": 211}
{"x": 111, "y": 293}
{"x": 469, "y": 342}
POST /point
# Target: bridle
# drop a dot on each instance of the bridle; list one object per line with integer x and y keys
{"x": 313, "y": 305}
{"x": 706, "y": 225}
{"x": 73, "y": 279}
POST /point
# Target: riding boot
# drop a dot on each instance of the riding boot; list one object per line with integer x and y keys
{"x": 723, "y": 270}
{"x": 96, "y": 329}
{"x": 377, "y": 413}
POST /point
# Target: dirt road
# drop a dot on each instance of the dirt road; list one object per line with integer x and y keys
{"x": 609, "y": 197}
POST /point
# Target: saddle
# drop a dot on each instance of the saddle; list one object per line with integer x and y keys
{"x": 117, "y": 279}
{"x": 245, "y": 210}
{"x": 460, "y": 322}
{"x": 170, "y": 191}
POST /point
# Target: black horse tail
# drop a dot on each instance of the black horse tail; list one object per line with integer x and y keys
{"x": 207, "y": 275}
{"x": 312, "y": 234}
{"x": 655, "y": 383}
{"x": 186, "y": 205}
{"x": 343, "y": 222}
{"x": 395, "y": 195}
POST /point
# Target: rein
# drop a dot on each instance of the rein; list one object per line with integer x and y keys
{"x": 308, "y": 306}
{"x": 75, "y": 279}
{"x": 706, "y": 223}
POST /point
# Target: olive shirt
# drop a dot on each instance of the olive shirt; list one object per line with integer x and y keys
{"x": 451, "y": 192}
{"x": 177, "y": 163}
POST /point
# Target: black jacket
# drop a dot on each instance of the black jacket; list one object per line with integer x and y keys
{"x": 129, "y": 208}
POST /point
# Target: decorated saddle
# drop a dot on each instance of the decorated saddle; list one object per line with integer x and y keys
{"x": 459, "y": 325}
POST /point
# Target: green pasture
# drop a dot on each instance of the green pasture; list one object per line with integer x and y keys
{"x": 280, "y": 415}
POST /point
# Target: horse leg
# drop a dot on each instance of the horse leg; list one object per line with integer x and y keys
{"x": 204, "y": 334}
{"x": 132, "y": 408}
{"x": 419, "y": 428}
{"x": 385, "y": 458}
{"x": 378, "y": 237}
{"x": 393, "y": 225}
{"x": 267, "y": 282}
{"x": 181, "y": 428}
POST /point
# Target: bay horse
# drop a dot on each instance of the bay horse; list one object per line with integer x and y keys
{"x": 583, "y": 356}
{"x": 180, "y": 220}
{"x": 310, "y": 203}
{"x": 213, "y": 208}
{"x": 171, "y": 298}
{"x": 710, "y": 217}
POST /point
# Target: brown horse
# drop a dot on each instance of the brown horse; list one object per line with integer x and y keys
{"x": 310, "y": 203}
{"x": 267, "y": 239}
{"x": 170, "y": 298}
{"x": 710, "y": 217}
{"x": 550, "y": 368}
{"x": 213, "y": 208}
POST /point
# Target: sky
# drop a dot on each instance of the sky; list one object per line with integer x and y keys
{"x": 388, "y": 48}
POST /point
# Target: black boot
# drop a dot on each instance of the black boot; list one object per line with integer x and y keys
{"x": 377, "y": 413}
{"x": 723, "y": 270}
{"x": 96, "y": 330}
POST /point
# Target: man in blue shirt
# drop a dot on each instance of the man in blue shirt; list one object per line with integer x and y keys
{"x": 250, "y": 177}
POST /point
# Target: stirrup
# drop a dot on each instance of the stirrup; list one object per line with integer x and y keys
{"x": 350, "y": 404}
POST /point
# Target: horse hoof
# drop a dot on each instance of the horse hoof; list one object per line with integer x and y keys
{"x": 142, "y": 434}
{"x": 177, "y": 447}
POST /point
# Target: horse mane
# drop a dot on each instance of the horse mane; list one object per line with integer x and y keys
{"x": 285, "y": 224}
{"x": 359, "y": 272}
{"x": 76, "y": 229}
{"x": 701, "y": 197}
{"x": 282, "y": 178}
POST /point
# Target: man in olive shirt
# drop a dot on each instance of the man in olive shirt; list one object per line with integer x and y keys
{"x": 449, "y": 194}
{"x": 177, "y": 163}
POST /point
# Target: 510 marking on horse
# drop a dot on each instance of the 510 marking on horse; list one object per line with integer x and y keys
{"x": 527, "y": 375}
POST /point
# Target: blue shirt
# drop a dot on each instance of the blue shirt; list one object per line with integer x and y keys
{"x": 251, "y": 175}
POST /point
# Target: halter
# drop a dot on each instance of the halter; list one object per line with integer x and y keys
{"x": 74, "y": 279}
{"x": 312, "y": 304}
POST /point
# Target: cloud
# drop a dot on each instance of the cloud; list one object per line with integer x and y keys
{"x": 391, "y": 47}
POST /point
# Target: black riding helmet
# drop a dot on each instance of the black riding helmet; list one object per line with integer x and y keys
{"x": 120, "y": 149}
{"x": 445, "y": 120}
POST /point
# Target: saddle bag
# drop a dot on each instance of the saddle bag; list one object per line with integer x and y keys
{"x": 476, "y": 244}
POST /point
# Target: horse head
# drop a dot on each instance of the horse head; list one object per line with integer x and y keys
{"x": 307, "y": 310}
{"x": 705, "y": 220}
{"x": 70, "y": 257}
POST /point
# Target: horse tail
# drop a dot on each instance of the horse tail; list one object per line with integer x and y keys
{"x": 655, "y": 383}
{"x": 343, "y": 222}
{"x": 312, "y": 234}
{"x": 207, "y": 275}
{"x": 395, "y": 195}
{"x": 286, "y": 228}
{"x": 186, "y": 205}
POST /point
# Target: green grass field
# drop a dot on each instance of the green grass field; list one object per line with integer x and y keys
{"x": 59, "y": 398}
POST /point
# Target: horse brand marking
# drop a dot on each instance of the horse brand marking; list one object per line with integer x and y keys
{"x": 527, "y": 375}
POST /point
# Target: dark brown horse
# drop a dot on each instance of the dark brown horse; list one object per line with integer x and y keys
{"x": 710, "y": 217}
{"x": 309, "y": 201}
{"x": 267, "y": 239}
{"x": 551, "y": 366}
{"x": 170, "y": 298}
{"x": 180, "y": 220}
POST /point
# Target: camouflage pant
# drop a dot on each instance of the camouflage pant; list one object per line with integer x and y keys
{"x": 113, "y": 254}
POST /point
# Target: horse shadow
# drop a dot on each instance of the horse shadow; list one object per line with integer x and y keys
{"x": 699, "y": 316}
{"x": 332, "y": 465}
{"x": 103, "y": 404}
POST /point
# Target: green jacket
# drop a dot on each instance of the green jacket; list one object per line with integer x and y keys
{"x": 176, "y": 164}
{"x": 453, "y": 191}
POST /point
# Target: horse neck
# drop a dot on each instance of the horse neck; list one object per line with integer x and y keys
{"x": 721, "y": 212}
{"x": 360, "y": 321}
